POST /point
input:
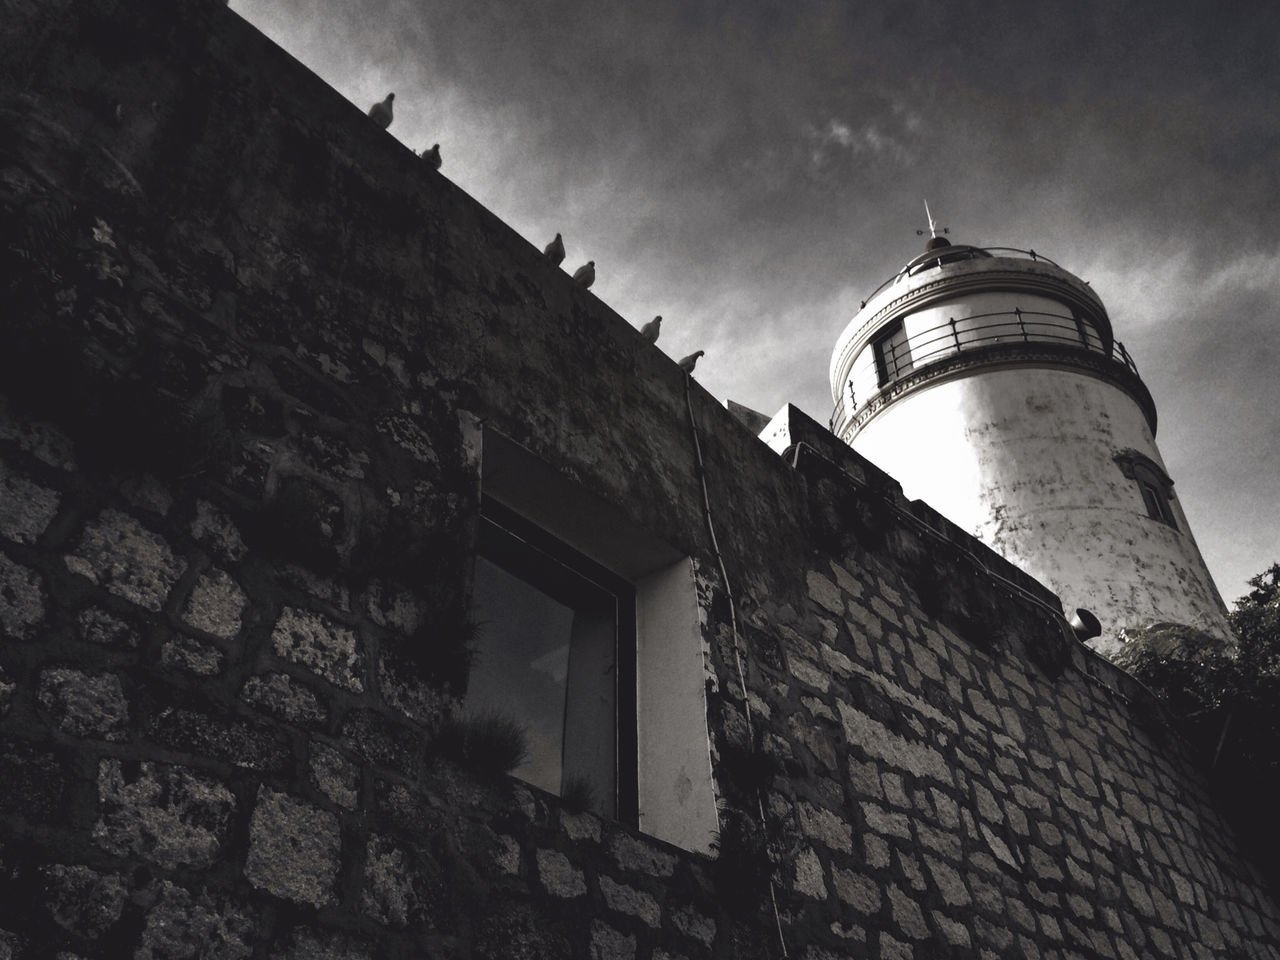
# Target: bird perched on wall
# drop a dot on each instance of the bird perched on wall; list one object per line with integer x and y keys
{"x": 586, "y": 274}
{"x": 432, "y": 156}
{"x": 650, "y": 330}
{"x": 381, "y": 112}
{"x": 554, "y": 251}
{"x": 687, "y": 364}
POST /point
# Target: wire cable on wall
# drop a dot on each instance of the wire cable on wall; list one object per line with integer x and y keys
{"x": 733, "y": 626}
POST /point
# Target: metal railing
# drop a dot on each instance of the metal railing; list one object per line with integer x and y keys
{"x": 955, "y": 254}
{"x": 886, "y": 360}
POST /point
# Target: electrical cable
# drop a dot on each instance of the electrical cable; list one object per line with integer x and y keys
{"x": 733, "y": 626}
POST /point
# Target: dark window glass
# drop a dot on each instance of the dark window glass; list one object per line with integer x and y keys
{"x": 1157, "y": 504}
{"x": 556, "y": 652}
{"x": 893, "y": 354}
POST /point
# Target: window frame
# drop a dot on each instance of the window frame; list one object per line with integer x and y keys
{"x": 507, "y": 540}
{"x": 676, "y": 793}
{"x": 1155, "y": 488}
{"x": 883, "y": 350}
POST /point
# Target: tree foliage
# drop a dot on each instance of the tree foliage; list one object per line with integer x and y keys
{"x": 1225, "y": 700}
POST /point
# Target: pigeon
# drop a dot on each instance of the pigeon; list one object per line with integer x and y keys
{"x": 432, "y": 156}
{"x": 381, "y": 112}
{"x": 687, "y": 364}
{"x": 650, "y": 330}
{"x": 586, "y": 274}
{"x": 554, "y": 251}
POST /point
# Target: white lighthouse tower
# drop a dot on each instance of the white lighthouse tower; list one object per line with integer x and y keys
{"x": 988, "y": 383}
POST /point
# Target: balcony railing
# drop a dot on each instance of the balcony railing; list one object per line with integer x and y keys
{"x": 885, "y": 361}
{"x": 955, "y": 254}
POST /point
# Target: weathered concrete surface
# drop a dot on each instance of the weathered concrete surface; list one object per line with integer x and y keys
{"x": 1031, "y": 471}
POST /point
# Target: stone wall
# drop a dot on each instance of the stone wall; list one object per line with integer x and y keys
{"x": 245, "y": 332}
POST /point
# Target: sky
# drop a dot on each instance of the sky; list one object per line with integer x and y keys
{"x": 752, "y": 170}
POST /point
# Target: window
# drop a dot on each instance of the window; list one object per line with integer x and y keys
{"x": 1153, "y": 483}
{"x": 608, "y": 651}
{"x": 556, "y": 651}
{"x": 893, "y": 353}
{"x": 1157, "y": 504}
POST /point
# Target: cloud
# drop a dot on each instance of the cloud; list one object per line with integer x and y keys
{"x": 870, "y": 140}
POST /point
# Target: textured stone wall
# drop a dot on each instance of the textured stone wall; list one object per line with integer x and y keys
{"x": 244, "y": 331}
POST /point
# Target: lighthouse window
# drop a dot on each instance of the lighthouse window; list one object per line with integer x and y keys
{"x": 893, "y": 354}
{"x": 1157, "y": 504}
{"x": 1153, "y": 484}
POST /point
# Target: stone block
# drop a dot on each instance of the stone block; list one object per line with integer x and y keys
{"x": 84, "y": 705}
{"x": 216, "y": 605}
{"x": 877, "y": 740}
{"x": 610, "y": 944}
{"x": 910, "y": 868}
{"x": 1041, "y": 862}
{"x": 956, "y": 934}
{"x": 22, "y": 600}
{"x": 809, "y": 673}
{"x": 293, "y": 849}
{"x": 99, "y": 626}
{"x": 392, "y": 608}
{"x": 219, "y": 737}
{"x": 826, "y": 827}
{"x": 336, "y": 776}
{"x": 215, "y": 530}
{"x": 392, "y": 892}
{"x": 185, "y": 926}
{"x": 558, "y": 876}
{"x": 984, "y": 709}
{"x": 26, "y": 508}
{"x": 625, "y": 899}
{"x": 285, "y": 697}
{"x": 825, "y": 593}
{"x": 119, "y": 554}
{"x": 145, "y": 492}
{"x": 404, "y": 688}
{"x": 893, "y": 949}
{"x": 6, "y": 692}
{"x": 82, "y": 901}
{"x": 191, "y": 655}
{"x": 306, "y": 943}
{"x": 949, "y": 882}
{"x": 694, "y": 925}
{"x": 165, "y": 814}
{"x": 507, "y": 856}
{"x": 875, "y": 851}
{"x": 861, "y": 893}
{"x": 377, "y": 740}
{"x": 580, "y": 826}
{"x": 883, "y": 821}
{"x": 42, "y": 440}
{"x": 906, "y": 914}
{"x": 1137, "y": 894}
{"x": 630, "y": 853}
{"x": 317, "y": 643}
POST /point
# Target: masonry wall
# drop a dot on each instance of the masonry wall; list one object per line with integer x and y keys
{"x": 245, "y": 334}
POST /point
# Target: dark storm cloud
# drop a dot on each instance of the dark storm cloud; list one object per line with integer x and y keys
{"x": 751, "y": 170}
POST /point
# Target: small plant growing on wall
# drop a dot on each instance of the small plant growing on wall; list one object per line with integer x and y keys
{"x": 577, "y": 795}
{"x": 489, "y": 744}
